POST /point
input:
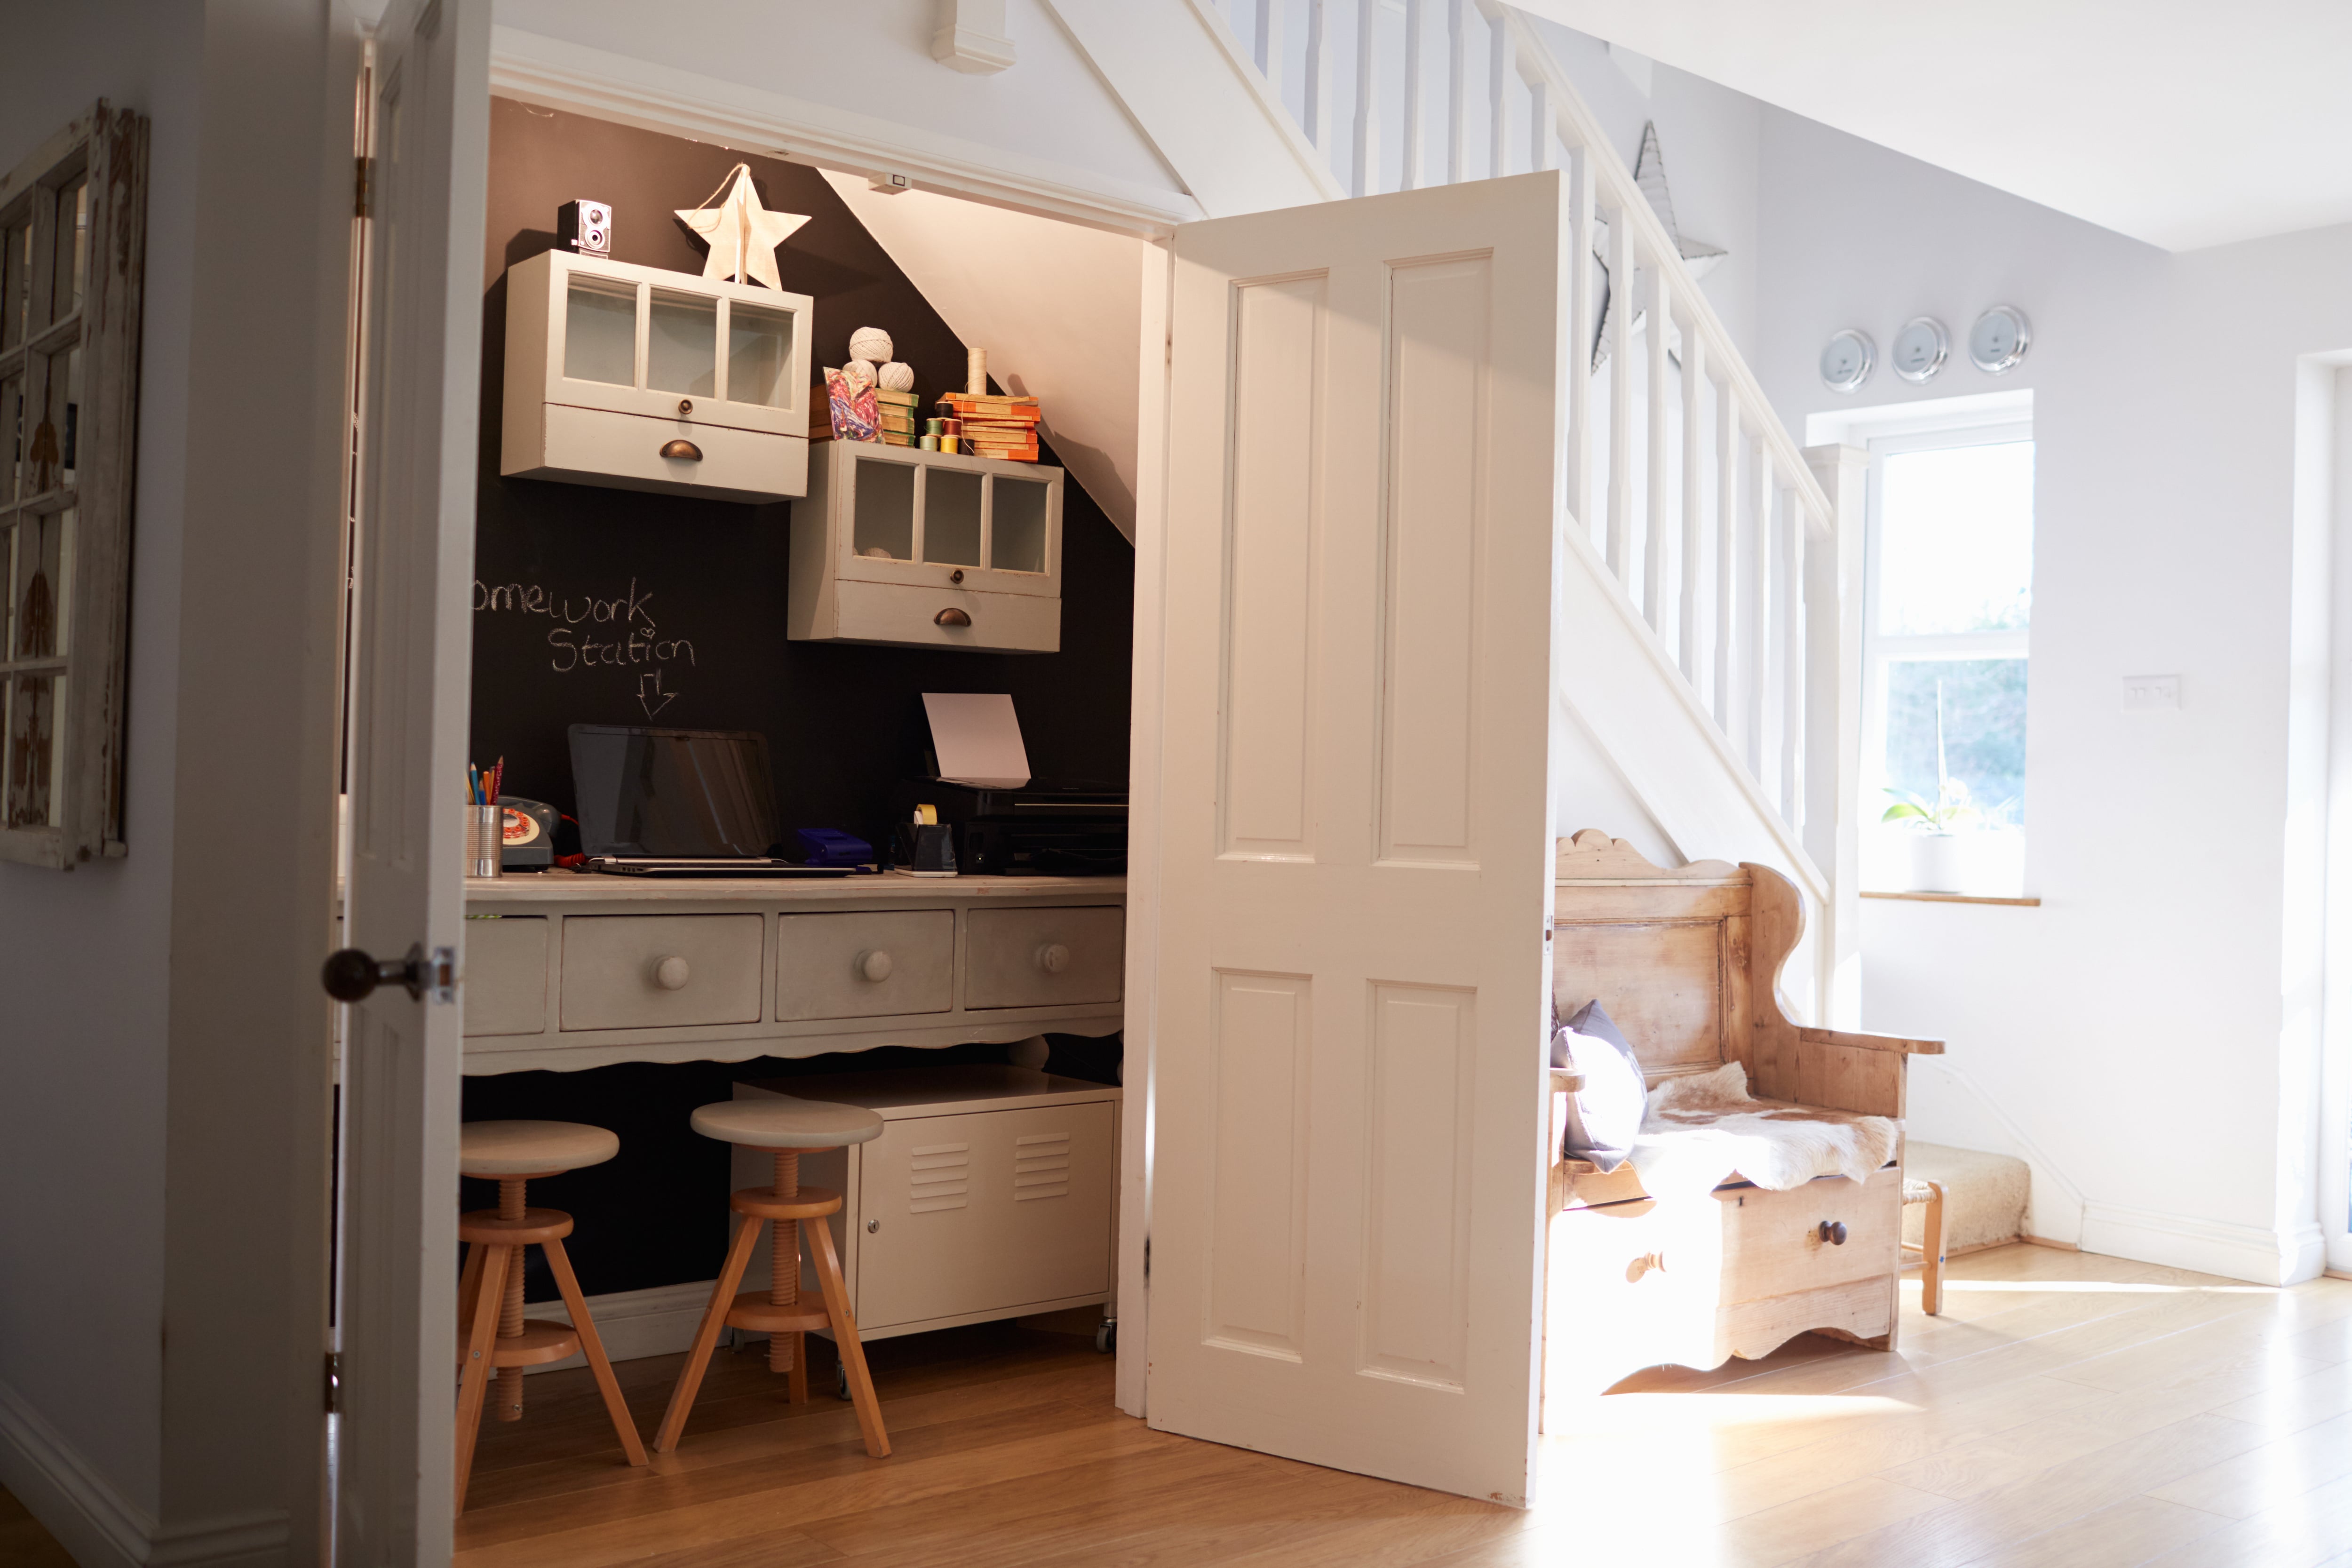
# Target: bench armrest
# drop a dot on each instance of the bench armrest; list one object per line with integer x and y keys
{"x": 1566, "y": 1081}
{"x": 1812, "y": 1037}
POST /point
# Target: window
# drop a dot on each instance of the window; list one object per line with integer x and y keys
{"x": 1949, "y": 552}
{"x": 71, "y": 227}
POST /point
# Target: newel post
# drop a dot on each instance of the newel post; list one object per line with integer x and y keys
{"x": 1833, "y": 809}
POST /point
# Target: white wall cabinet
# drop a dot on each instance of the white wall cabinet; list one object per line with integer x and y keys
{"x": 649, "y": 380}
{"x": 895, "y": 544}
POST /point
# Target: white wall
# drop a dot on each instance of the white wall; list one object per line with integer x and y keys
{"x": 2132, "y": 1026}
{"x": 164, "y": 1047}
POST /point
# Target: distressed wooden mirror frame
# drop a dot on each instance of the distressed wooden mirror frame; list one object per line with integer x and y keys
{"x": 73, "y": 218}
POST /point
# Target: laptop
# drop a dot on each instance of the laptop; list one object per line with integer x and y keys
{"x": 678, "y": 802}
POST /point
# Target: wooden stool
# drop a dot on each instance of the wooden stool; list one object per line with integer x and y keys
{"x": 1931, "y": 1238}
{"x": 788, "y": 1129}
{"x": 494, "y": 1339}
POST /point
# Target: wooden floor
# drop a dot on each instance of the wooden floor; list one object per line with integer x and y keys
{"x": 2066, "y": 1409}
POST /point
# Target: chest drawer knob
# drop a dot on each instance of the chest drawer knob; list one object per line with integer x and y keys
{"x": 672, "y": 973}
{"x": 874, "y": 965}
{"x": 1833, "y": 1233}
{"x": 1053, "y": 958}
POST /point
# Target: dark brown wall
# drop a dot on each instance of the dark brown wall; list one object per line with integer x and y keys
{"x": 843, "y": 723}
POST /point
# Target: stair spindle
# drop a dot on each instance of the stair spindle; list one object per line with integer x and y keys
{"x": 1793, "y": 664}
{"x": 1269, "y": 42}
{"x": 1693, "y": 492}
{"x": 1581, "y": 292}
{"x": 1409, "y": 177}
{"x": 1656, "y": 535}
{"x": 1502, "y": 61}
{"x": 1457, "y": 90}
{"x": 1621, "y": 393}
{"x": 1540, "y": 128}
{"x": 1364, "y": 179}
{"x": 1759, "y": 608}
{"x": 1727, "y": 545}
{"x": 1319, "y": 77}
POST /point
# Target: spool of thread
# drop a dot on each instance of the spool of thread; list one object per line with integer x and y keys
{"x": 928, "y": 443}
{"x": 975, "y": 376}
{"x": 950, "y": 426}
{"x": 949, "y": 443}
{"x": 935, "y": 427}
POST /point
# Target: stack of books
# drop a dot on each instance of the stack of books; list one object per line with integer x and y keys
{"x": 995, "y": 426}
{"x": 901, "y": 421}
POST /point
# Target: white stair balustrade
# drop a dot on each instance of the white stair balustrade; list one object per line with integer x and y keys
{"x": 1698, "y": 505}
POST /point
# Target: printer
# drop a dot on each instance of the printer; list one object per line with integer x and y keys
{"x": 1005, "y": 823}
{"x": 1037, "y": 830}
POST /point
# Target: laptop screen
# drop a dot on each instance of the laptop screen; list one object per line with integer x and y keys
{"x": 673, "y": 793}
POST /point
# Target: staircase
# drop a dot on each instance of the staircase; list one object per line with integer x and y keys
{"x": 1731, "y": 557}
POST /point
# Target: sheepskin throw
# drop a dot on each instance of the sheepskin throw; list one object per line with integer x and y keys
{"x": 1698, "y": 1131}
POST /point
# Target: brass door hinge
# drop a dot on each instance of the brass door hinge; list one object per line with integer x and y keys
{"x": 360, "y": 185}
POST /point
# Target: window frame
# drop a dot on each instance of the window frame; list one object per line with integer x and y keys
{"x": 1878, "y": 649}
{"x": 105, "y": 151}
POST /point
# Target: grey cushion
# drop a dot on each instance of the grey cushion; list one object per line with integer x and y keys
{"x": 1605, "y": 1115}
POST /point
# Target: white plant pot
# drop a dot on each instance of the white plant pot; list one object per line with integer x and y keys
{"x": 1937, "y": 862}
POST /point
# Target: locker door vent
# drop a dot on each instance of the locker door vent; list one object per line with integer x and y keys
{"x": 939, "y": 1177}
{"x": 1040, "y": 1166}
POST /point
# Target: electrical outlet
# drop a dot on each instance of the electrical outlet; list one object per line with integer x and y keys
{"x": 2151, "y": 693}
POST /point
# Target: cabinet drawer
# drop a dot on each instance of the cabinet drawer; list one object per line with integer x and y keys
{"x": 617, "y": 973}
{"x": 600, "y": 446}
{"x": 1043, "y": 958}
{"x": 824, "y": 964}
{"x": 506, "y": 975}
{"x": 972, "y": 1213}
{"x": 896, "y": 613}
{"x": 1773, "y": 1243}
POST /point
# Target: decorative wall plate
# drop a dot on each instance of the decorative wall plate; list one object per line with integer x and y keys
{"x": 1919, "y": 348}
{"x": 2000, "y": 340}
{"x": 1847, "y": 360}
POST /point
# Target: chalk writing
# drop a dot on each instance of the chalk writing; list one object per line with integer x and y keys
{"x": 577, "y": 639}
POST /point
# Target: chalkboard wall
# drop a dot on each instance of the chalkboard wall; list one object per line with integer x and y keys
{"x": 844, "y": 723}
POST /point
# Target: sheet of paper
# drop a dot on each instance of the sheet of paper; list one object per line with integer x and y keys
{"x": 978, "y": 739}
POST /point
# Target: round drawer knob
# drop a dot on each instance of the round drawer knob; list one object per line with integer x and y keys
{"x": 672, "y": 973}
{"x": 874, "y": 965}
{"x": 873, "y": 1228}
{"x": 1053, "y": 958}
{"x": 1833, "y": 1233}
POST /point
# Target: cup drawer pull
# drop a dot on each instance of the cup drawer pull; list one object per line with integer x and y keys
{"x": 682, "y": 448}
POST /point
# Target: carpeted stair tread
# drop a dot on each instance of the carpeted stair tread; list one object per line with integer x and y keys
{"x": 1984, "y": 1195}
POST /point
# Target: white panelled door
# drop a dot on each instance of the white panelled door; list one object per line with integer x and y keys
{"x": 1355, "y": 839}
{"x": 412, "y": 650}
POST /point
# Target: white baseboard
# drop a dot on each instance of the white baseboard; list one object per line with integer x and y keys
{"x": 2247, "y": 1252}
{"x": 97, "y": 1524}
{"x": 636, "y": 1323}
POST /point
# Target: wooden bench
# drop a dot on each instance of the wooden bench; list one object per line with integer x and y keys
{"x": 1688, "y": 962}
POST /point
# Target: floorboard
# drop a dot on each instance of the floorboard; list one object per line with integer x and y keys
{"x": 2066, "y": 1409}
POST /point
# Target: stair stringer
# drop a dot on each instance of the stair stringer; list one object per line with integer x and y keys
{"x": 1612, "y": 680}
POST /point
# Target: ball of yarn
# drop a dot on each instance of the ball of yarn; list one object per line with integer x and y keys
{"x": 871, "y": 344}
{"x": 898, "y": 377}
{"x": 858, "y": 375}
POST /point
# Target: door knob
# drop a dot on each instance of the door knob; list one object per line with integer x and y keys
{"x": 687, "y": 449}
{"x": 874, "y": 965}
{"x": 351, "y": 975}
{"x": 1053, "y": 958}
{"x": 1834, "y": 1232}
{"x": 672, "y": 973}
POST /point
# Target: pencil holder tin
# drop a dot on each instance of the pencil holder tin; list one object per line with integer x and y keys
{"x": 485, "y": 840}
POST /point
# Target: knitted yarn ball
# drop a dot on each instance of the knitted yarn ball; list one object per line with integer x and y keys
{"x": 898, "y": 377}
{"x": 871, "y": 344}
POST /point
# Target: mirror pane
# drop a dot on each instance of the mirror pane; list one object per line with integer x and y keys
{"x": 27, "y": 797}
{"x": 55, "y": 437}
{"x": 758, "y": 355}
{"x": 39, "y": 588}
{"x": 16, "y": 285}
{"x": 883, "y": 525}
{"x": 1017, "y": 542}
{"x": 600, "y": 331}
{"x": 952, "y": 518}
{"x": 72, "y": 249}
{"x": 682, "y": 354}
{"x": 12, "y": 438}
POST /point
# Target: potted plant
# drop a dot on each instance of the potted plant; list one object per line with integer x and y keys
{"x": 1937, "y": 831}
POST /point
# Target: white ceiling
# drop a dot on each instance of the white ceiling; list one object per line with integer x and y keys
{"x": 2181, "y": 123}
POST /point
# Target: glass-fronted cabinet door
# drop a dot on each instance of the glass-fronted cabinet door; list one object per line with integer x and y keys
{"x": 946, "y": 520}
{"x": 639, "y": 339}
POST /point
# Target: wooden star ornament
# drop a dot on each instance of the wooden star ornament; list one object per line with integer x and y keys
{"x": 742, "y": 235}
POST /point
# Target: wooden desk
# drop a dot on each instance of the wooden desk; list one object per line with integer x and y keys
{"x": 565, "y": 971}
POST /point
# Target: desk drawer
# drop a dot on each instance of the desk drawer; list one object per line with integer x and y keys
{"x": 506, "y": 975}
{"x": 1045, "y": 958}
{"x": 1773, "y": 1243}
{"x": 650, "y": 971}
{"x": 824, "y": 964}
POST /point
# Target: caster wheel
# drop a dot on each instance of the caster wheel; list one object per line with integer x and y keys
{"x": 1106, "y": 1336}
{"x": 841, "y": 1381}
